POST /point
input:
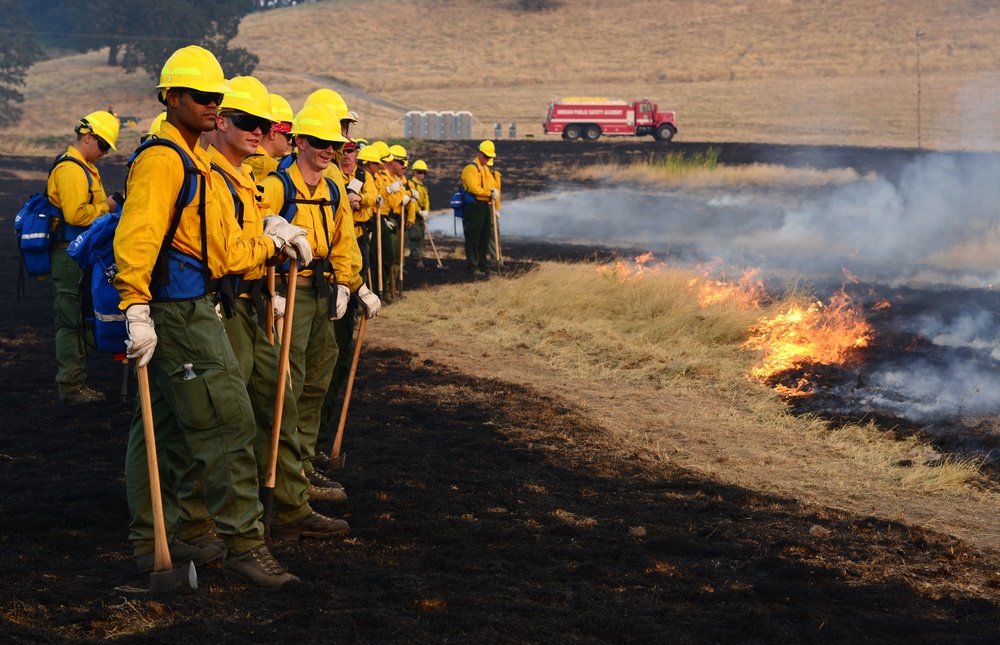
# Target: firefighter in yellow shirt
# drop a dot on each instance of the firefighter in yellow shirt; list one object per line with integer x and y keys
{"x": 324, "y": 287}
{"x": 75, "y": 187}
{"x": 276, "y": 143}
{"x": 417, "y": 233}
{"x": 477, "y": 216}
{"x": 170, "y": 253}
{"x": 400, "y": 213}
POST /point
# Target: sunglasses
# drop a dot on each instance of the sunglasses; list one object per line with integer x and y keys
{"x": 249, "y": 122}
{"x": 419, "y": 172}
{"x": 204, "y": 98}
{"x": 348, "y": 149}
{"x": 102, "y": 145}
{"x": 320, "y": 144}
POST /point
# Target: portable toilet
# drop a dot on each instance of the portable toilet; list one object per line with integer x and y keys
{"x": 431, "y": 127}
{"x": 463, "y": 125}
{"x": 447, "y": 124}
{"x": 413, "y": 125}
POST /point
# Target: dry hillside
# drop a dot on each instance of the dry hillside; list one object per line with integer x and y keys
{"x": 804, "y": 71}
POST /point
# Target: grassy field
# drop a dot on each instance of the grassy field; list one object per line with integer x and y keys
{"x": 804, "y": 71}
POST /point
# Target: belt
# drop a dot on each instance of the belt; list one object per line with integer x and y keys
{"x": 304, "y": 280}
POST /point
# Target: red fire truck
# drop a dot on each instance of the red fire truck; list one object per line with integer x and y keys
{"x": 589, "y": 118}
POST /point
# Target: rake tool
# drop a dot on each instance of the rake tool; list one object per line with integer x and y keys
{"x": 336, "y": 457}
{"x": 434, "y": 248}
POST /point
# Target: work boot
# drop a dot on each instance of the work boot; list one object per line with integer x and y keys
{"x": 317, "y": 478}
{"x": 312, "y": 525}
{"x": 206, "y": 539}
{"x": 81, "y": 396}
{"x": 325, "y": 493}
{"x": 321, "y": 462}
{"x": 257, "y": 567}
{"x": 180, "y": 554}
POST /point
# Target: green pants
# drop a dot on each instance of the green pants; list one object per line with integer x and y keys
{"x": 205, "y": 421}
{"x": 390, "y": 252}
{"x": 311, "y": 357}
{"x": 415, "y": 237}
{"x": 477, "y": 223}
{"x": 71, "y": 368}
{"x": 343, "y": 332}
{"x": 258, "y": 361}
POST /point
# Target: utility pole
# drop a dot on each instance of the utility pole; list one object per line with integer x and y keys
{"x": 919, "y": 138}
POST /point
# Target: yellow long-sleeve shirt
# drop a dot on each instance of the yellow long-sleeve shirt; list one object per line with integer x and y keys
{"x": 67, "y": 190}
{"x": 478, "y": 179}
{"x": 262, "y": 164}
{"x": 250, "y": 266}
{"x": 424, "y": 201}
{"x": 154, "y": 181}
{"x": 311, "y": 217}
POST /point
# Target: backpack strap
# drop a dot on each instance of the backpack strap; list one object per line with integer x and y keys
{"x": 237, "y": 202}
{"x": 58, "y": 233}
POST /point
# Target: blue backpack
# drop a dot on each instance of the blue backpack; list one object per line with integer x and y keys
{"x": 94, "y": 250}
{"x": 35, "y": 230}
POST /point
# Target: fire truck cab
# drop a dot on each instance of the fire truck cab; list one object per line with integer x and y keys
{"x": 589, "y": 118}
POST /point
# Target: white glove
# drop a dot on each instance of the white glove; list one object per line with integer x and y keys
{"x": 407, "y": 199}
{"x": 218, "y": 310}
{"x": 288, "y": 239}
{"x": 343, "y": 296}
{"x": 369, "y": 302}
{"x": 389, "y": 224}
{"x": 278, "y": 302}
{"x": 394, "y": 187}
{"x": 424, "y": 213}
{"x": 141, "y": 336}
{"x": 494, "y": 194}
{"x": 415, "y": 193}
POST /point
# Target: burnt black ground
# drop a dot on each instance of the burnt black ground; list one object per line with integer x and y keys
{"x": 482, "y": 512}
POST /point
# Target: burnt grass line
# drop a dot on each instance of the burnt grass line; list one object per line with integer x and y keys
{"x": 482, "y": 511}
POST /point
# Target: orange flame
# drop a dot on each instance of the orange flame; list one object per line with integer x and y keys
{"x": 745, "y": 293}
{"x": 631, "y": 270}
{"x": 815, "y": 335}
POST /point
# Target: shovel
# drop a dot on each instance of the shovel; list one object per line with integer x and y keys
{"x": 496, "y": 234}
{"x": 279, "y": 397}
{"x": 336, "y": 458}
{"x": 164, "y": 576}
{"x": 270, "y": 308}
{"x": 434, "y": 248}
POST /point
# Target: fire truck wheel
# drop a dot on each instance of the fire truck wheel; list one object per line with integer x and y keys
{"x": 664, "y": 133}
{"x": 572, "y": 132}
{"x": 592, "y": 133}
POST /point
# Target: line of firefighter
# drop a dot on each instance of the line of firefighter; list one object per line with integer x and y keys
{"x": 195, "y": 307}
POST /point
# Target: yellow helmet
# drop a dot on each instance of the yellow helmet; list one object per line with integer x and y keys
{"x": 154, "y": 127}
{"x": 419, "y": 164}
{"x": 360, "y": 141}
{"x": 103, "y": 124}
{"x": 398, "y": 153}
{"x": 248, "y": 95}
{"x": 352, "y": 116}
{"x": 332, "y": 100}
{"x": 488, "y": 149}
{"x": 369, "y": 154}
{"x": 317, "y": 121}
{"x": 193, "y": 67}
{"x": 281, "y": 110}
{"x": 382, "y": 148}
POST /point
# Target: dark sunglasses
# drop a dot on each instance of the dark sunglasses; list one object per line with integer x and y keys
{"x": 102, "y": 145}
{"x": 320, "y": 144}
{"x": 249, "y": 122}
{"x": 204, "y": 98}
{"x": 419, "y": 172}
{"x": 350, "y": 148}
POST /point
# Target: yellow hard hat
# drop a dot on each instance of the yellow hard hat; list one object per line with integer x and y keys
{"x": 382, "y": 148}
{"x": 398, "y": 152}
{"x": 281, "y": 109}
{"x": 317, "y": 121}
{"x": 488, "y": 149}
{"x": 195, "y": 68}
{"x": 419, "y": 164}
{"x": 249, "y": 95}
{"x": 154, "y": 127}
{"x": 103, "y": 124}
{"x": 360, "y": 141}
{"x": 369, "y": 154}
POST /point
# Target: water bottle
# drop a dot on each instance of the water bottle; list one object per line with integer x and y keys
{"x": 189, "y": 371}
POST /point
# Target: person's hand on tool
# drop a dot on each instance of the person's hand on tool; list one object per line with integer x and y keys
{"x": 494, "y": 194}
{"x": 141, "y": 336}
{"x": 343, "y": 296}
{"x": 288, "y": 239}
{"x": 378, "y": 201}
{"x": 369, "y": 302}
{"x": 278, "y": 303}
{"x": 394, "y": 187}
{"x": 407, "y": 199}
{"x": 424, "y": 213}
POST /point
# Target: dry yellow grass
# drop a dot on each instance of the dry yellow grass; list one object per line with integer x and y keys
{"x": 804, "y": 71}
{"x": 653, "y": 336}
{"x": 732, "y": 176}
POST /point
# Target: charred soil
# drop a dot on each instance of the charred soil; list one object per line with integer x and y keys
{"x": 481, "y": 510}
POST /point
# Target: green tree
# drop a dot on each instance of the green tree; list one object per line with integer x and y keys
{"x": 18, "y": 52}
{"x": 158, "y": 27}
